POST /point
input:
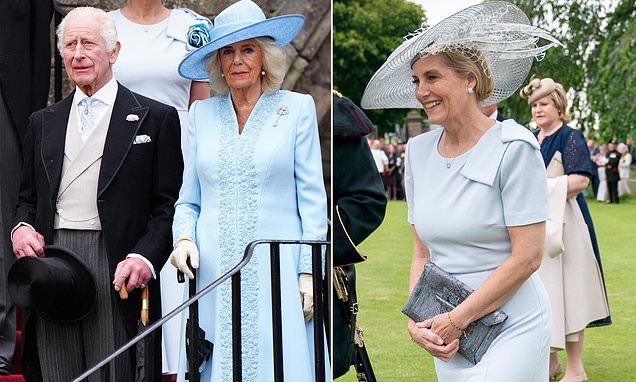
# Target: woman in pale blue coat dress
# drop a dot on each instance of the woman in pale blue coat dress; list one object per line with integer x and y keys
{"x": 477, "y": 199}
{"x": 253, "y": 171}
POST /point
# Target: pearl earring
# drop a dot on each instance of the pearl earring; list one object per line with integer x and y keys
{"x": 222, "y": 75}
{"x": 262, "y": 72}
{"x": 470, "y": 90}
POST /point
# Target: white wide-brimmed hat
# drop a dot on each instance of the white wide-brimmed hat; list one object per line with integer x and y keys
{"x": 499, "y": 30}
{"x": 240, "y": 21}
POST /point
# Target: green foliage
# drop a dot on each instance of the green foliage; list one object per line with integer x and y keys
{"x": 578, "y": 25}
{"x": 365, "y": 33}
{"x": 596, "y": 65}
{"x": 613, "y": 80}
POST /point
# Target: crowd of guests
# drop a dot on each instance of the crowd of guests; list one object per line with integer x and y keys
{"x": 609, "y": 184}
{"x": 613, "y": 162}
{"x": 389, "y": 160}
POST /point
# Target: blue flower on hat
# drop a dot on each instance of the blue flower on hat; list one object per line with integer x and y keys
{"x": 198, "y": 35}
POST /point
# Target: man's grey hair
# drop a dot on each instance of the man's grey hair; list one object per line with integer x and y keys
{"x": 274, "y": 65}
{"x": 107, "y": 28}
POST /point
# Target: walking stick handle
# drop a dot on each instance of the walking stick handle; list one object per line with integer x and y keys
{"x": 145, "y": 302}
{"x": 123, "y": 292}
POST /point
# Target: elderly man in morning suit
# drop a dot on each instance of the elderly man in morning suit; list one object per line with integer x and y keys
{"x": 102, "y": 171}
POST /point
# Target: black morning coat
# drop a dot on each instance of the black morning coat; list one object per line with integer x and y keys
{"x": 137, "y": 188}
{"x": 359, "y": 206}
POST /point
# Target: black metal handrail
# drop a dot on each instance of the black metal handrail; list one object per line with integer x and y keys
{"x": 319, "y": 333}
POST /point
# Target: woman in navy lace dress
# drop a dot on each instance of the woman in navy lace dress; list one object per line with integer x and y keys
{"x": 572, "y": 276}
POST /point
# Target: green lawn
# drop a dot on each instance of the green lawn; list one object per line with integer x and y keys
{"x": 383, "y": 289}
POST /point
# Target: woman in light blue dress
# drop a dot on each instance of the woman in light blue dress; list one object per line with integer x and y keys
{"x": 476, "y": 188}
{"x": 253, "y": 171}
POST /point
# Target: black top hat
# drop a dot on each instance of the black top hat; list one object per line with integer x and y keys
{"x": 59, "y": 286}
{"x": 349, "y": 121}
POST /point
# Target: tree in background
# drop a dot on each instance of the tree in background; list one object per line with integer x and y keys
{"x": 365, "y": 33}
{"x": 612, "y": 86}
{"x": 578, "y": 25}
{"x": 597, "y": 66}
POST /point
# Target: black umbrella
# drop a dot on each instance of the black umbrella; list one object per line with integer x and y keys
{"x": 198, "y": 349}
{"x": 145, "y": 350}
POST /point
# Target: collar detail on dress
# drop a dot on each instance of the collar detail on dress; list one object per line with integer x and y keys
{"x": 483, "y": 162}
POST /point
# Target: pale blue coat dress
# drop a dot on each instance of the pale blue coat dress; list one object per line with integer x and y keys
{"x": 265, "y": 183}
{"x": 461, "y": 214}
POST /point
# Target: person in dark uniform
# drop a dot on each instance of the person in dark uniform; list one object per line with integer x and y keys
{"x": 359, "y": 207}
{"x": 611, "y": 172}
{"x": 25, "y": 61}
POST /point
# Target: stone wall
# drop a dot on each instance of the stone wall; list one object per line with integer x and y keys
{"x": 309, "y": 55}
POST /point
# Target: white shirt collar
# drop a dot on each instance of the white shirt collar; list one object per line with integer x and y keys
{"x": 105, "y": 94}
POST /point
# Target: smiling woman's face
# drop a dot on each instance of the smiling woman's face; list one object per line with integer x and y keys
{"x": 441, "y": 90}
{"x": 242, "y": 63}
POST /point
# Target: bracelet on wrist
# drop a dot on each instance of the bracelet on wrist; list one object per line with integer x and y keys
{"x": 463, "y": 331}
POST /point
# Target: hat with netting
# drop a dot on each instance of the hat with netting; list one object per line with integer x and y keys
{"x": 498, "y": 30}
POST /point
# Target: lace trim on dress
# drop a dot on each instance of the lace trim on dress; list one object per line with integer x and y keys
{"x": 576, "y": 156}
{"x": 238, "y": 198}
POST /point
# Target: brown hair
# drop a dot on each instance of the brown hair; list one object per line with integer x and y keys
{"x": 560, "y": 102}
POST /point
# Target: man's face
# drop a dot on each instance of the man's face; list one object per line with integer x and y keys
{"x": 86, "y": 59}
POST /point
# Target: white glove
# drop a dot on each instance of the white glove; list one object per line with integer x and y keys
{"x": 306, "y": 288}
{"x": 182, "y": 250}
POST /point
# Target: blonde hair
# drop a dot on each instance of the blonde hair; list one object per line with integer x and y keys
{"x": 471, "y": 62}
{"x": 274, "y": 65}
{"x": 560, "y": 102}
{"x": 107, "y": 28}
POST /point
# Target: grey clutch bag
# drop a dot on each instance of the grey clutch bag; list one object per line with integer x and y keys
{"x": 438, "y": 292}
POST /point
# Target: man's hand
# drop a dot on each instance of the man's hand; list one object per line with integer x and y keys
{"x": 133, "y": 269}
{"x": 305, "y": 286}
{"x": 27, "y": 242}
{"x": 184, "y": 249}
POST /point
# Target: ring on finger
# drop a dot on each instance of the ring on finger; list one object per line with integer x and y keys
{"x": 142, "y": 286}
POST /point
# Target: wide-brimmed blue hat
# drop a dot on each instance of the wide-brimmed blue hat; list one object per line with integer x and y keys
{"x": 240, "y": 21}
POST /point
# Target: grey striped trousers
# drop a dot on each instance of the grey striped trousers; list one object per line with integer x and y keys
{"x": 67, "y": 350}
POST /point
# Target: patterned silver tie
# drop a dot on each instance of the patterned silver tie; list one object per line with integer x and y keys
{"x": 87, "y": 115}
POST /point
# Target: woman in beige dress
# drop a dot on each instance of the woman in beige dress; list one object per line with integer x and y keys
{"x": 623, "y": 170}
{"x": 571, "y": 267}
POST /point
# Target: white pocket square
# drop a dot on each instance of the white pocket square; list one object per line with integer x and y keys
{"x": 139, "y": 139}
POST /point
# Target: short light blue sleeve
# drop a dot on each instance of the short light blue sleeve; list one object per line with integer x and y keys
{"x": 523, "y": 185}
{"x": 188, "y": 205}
